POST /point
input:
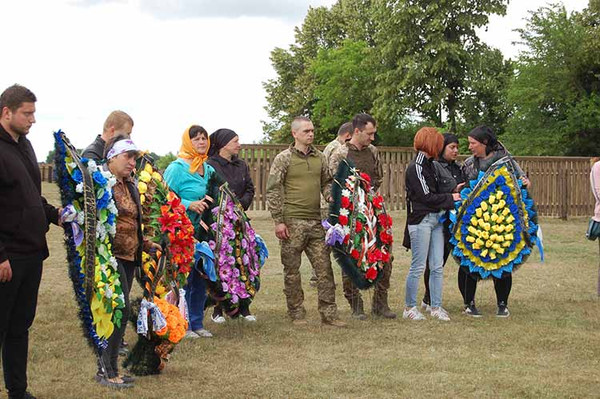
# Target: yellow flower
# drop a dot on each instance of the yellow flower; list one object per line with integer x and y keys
{"x": 475, "y": 246}
{"x": 142, "y": 200}
{"x": 487, "y": 226}
{"x": 495, "y": 209}
{"x": 484, "y": 253}
{"x": 470, "y": 239}
{"x": 474, "y": 221}
{"x": 505, "y": 211}
{"x": 508, "y": 237}
{"x": 478, "y": 212}
{"x": 488, "y": 243}
{"x": 156, "y": 176}
{"x": 145, "y": 176}
{"x": 472, "y": 230}
{"x": 496, "y": 246}
{"x": 508, "y": 228}
{"x": 501, "y": 204}
{"x": 500, "y": 219}
{"x": 494, "y": 217}
{"x": 486, "y": 217}
{"x": 492, "y": 199}
{"x": 485, "y": 235}
{"x": 506, "y": 244}
{"x": 481, "y": 223}
{"x": 492, "y": 255}
{"x": 493, "y": 237}
{"x": 499, "y": 195}
{"x": 148, "y": 168}
{"x": 500, "y": 250}
{"x": 484, "y": 206}
{"x": 510, "y": 219}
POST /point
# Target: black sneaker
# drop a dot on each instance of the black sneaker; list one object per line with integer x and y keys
{"x": 502, "y": 311}
{"x": 28, "y": 395}
{"x": 471, "y": 310}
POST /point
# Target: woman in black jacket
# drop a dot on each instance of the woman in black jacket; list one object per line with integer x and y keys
{"x": 425, "y": 207}
{"x": 223, "y": 157}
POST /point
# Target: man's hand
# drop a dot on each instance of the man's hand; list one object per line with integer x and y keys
{"x": 5, "y": 272}
{"x": 281, "y": 231}
{"x": 198, "y": 206}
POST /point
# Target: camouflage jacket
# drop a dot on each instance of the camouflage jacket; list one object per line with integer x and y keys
{"x": 277, "y": 176}
{"x": 330, "y": 148}
{"x": 376, "y": 172}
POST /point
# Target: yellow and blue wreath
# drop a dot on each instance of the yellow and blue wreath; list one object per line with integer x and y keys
{"x": 495, "y": 224}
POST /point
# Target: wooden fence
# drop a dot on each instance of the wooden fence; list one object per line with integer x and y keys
{"x": 560, "y": 185}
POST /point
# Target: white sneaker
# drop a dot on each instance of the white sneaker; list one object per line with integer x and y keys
{"x": 190, "y": 334}
{"x": 203, "y": 333}
{"x": 426, "y": 307}
{"x": 251, "y": 318}
{"x": 413, "y": 314}
{"x": 219, "y": 319}
{"x": 440, "y": 314}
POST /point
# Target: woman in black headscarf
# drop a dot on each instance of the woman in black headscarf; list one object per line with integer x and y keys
{"x": 223, "y": 157}
{"x": 486, "y": 150}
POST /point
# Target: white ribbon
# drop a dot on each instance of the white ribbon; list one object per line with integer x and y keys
{"x": 158, "y": 320}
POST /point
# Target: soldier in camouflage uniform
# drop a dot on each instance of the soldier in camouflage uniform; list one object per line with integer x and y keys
{"x": 366, "y": 158}
{"x": 297, "y": 178}
{"x": 344, "y": 134}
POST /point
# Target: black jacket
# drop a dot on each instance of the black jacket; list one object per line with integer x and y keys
{"x": 95, "y": 150}
{"x": 237, "y": 174}
{"x": 24, "y": 213}
{"x": 423, "y": 194}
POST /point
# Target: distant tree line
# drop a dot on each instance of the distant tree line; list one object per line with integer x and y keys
{"x": 420, "y": 62}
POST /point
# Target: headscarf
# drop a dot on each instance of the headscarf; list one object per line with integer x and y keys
{"x": 187, "y": 151}
{"x": 120, "y": 147}
{"x": 486, "y": 136}
{"x": 219, "y": 139}
{"x": 449, "y": 138}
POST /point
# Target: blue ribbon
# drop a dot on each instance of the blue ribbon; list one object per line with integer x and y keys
{"x": 205, "y": 256}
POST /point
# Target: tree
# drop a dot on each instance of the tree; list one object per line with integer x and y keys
{"x": 428, "y": 49}
{"x": 556, "y": 91}
{"x": 164, "y": 161}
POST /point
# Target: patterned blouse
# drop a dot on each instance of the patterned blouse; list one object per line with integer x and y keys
{"x": 126, "y": 242}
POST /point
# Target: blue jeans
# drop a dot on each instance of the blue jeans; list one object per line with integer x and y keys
{"x": 426, "y": 240}
{"x": 195, "y": 296}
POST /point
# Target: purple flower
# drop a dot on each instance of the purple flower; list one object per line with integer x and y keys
{"x": 244, "y": 243}
{"x": 212, "y": 245}
{"x": 245, "y": 259}
{"x": 224, "y": 286}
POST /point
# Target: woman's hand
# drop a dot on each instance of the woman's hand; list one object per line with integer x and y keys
{"x": 198, "y": 206}
{"x": 456, "y": 196}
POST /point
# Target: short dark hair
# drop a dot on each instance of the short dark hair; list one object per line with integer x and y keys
{"x": 345, "y": 128}
{"x": 111, "y": 143}
{"x": 15, "y": 96}
{"x": 196, "y": 130}
{"x": 361, "y": 120}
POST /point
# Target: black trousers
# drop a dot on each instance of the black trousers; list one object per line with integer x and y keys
{"x": 110, "y": 355}
{"x": 18, "y": 302}
{"x": 468, "y": 286}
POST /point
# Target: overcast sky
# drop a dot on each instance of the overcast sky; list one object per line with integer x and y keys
{"x": 168, "y": 63}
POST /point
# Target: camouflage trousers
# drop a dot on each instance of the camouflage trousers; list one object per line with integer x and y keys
{"x": 307, "y": 236}
{"x": 380, "y": 292}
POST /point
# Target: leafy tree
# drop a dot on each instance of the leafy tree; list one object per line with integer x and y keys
{"x": 164, "y": 161}
{"x": 556, "y": 91}
{"x": 428, "y": 49}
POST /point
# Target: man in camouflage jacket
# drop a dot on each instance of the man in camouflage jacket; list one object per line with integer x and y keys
{"x": 366, "y": 158}
{"x": 298, "y": 177}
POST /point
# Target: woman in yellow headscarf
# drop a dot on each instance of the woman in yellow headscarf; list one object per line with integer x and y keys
{"x": 188, "y": 177}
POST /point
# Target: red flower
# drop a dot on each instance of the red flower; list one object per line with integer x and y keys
{"x": 355, "y": 254}
{"x": 345, "y": 202}
{"x": 385, "y": 220}
{"x": 359, "y": 226}
{"x": 343, "y": 220}
{"x": 385, "y": 257}
{"x": 346, "y": 239}
{"x": 366, "y": 177}
{"x": 371, "y": 273}
{"x": 378, "y": 201}
{"x": 374, "y": 256}
{"x": 385, "y": 237}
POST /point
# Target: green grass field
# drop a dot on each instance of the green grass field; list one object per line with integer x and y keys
{"x": 549, "y": 347}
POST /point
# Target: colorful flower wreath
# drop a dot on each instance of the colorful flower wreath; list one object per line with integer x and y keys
{"x": 89, "y": 217}
{"x": 496, "y": 224}
{"x": 239, "y": 252}
{"x": 164, "y": 273}
{"x": 359, "y": 229}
